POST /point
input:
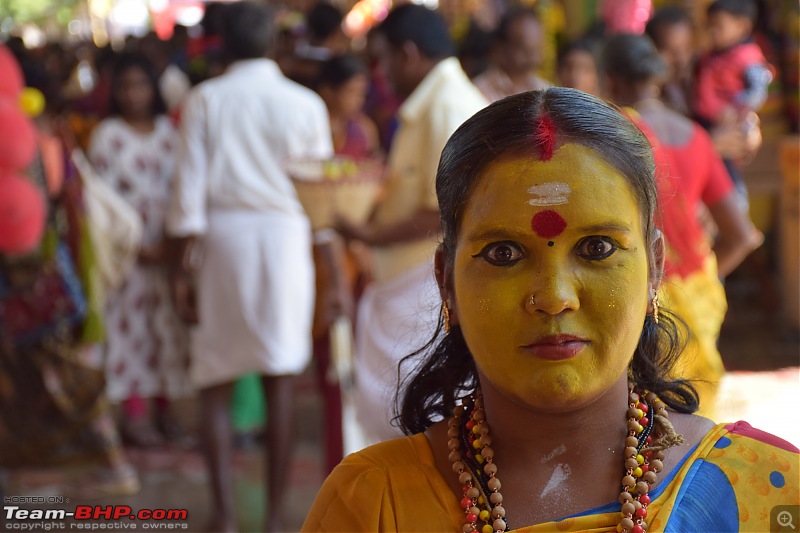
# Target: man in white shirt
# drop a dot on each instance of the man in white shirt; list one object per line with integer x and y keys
{"x": 399, "y": 311}
{"x": 235, "y": 204}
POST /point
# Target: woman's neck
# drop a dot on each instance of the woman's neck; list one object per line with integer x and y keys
{"x": 140, "y": 123}
{"x": 525, "y": 434}
{"x": 555, "y": 464}
{"x": 630, "y": 94}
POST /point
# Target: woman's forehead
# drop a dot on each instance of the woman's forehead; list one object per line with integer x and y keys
{"x": 575, "y": 183}
{"x": 573, "y": 167}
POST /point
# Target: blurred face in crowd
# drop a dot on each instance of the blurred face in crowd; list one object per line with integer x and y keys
{"x": 521, "y": 53}
{"x": 348, "y": 98}
{"x": 578, "y": 70}
{"x": 725, "y": 29}
{"x": 676, "y": 45}
{"x": 134, "y": 93}
{"x": 401, "y": 65}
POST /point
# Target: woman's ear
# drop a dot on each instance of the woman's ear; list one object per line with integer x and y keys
{"x": 657, "y": 254}
{"x": 444, "y": 279}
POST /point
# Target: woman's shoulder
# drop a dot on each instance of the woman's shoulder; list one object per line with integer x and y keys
{"x": 374, "y": 469}
{"x": 734, "y": 450}
{"x": 390, "y": 486}
{"x": 725, "y": 435}
{"x": 736, "y": 474}
{"x": 402, "y": 452}
{"x": 737, "y": 443}
{"x": 743, "y": 438}
{"x": 109, "y": 125}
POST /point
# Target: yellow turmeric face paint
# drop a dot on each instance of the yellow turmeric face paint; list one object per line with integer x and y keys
{"x": 561, "y": 310}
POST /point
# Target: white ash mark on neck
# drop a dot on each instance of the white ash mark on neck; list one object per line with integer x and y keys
{"x": 560, "y": 475}
{"x": 552, "y": 193}
{"x": 555, "y": 453}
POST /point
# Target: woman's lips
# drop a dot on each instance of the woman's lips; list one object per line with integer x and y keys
{"x": 556, "y": 347}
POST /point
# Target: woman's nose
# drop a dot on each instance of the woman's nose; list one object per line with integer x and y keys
{"x": 553, "y": 293}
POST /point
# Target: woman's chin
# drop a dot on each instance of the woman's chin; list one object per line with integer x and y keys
{"x": 559, "y": 392}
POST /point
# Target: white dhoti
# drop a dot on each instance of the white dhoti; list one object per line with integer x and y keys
{"x": 395, "y": 318}
{"x": 255, "y": 297}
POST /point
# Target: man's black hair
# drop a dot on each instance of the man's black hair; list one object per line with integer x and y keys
{"x": 322, "y": 21}
{"x": 424, "y": 27}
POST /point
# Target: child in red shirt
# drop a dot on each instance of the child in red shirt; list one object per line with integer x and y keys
{"x": 732, "y": 78}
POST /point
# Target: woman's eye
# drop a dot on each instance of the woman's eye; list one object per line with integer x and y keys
{"x": 501, "y": 253}
{"x": 596, "y": 248}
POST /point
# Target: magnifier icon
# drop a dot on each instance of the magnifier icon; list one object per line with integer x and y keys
{"x": 785, "y": 519}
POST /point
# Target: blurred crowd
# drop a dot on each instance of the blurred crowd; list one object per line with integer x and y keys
{"x": 161, "y": 252}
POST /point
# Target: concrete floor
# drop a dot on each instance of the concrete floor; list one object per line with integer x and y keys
{"x": 759, "y": 350}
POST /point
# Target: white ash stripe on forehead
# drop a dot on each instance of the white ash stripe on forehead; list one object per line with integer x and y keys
{"x": 553, "y": 193}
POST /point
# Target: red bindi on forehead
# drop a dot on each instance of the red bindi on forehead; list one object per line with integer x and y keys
{"x": 548, "y": 224}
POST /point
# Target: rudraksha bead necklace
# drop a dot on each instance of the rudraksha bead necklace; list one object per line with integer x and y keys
{"x": 649, "y": 434}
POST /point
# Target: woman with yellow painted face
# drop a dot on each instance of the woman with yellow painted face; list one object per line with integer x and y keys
{"x": 552, "y": 367}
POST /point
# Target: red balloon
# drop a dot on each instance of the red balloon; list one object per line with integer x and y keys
{"x": 11, "y": 80}
{"x": 17, "y": 138}
{"x": 22, "y": 214}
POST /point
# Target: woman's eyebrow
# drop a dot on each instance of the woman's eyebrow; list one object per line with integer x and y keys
{"x": 607, "y": 227}
{"x": 496, "y": 233}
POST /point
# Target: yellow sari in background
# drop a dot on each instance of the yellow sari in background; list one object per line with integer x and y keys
{"x": 699, "y": 300}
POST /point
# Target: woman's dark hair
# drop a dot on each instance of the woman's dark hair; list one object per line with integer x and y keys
{"x": 633, "y": 58}
{"x": 338, "y": 70}
{"x": 127, "y": 61}
{"x": 247, "y": 30}
{"x": 664, "y": 18}
{"x": 424, "y": 27}
{"x": 446, "y": 369}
